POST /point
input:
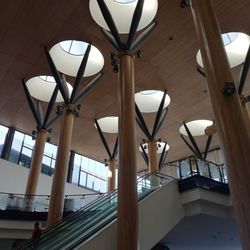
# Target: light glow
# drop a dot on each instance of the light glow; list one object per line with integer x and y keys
{"x": 236, "y": 48}
{"x": 122, "y": 13}
{"x": 42, "y": 87}
{"x": 148, "y": 101}
{"x": 196, "y": 127}
{"x": 67, "y": 56}
{"x": 108, "y": 124}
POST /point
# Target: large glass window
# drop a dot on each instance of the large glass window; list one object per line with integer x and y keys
{"x": 22, "y": 149}
{"x": 3, "y": 133}
{"x": 90, "y": 173}
{"x": 86, "y": 172}
{"x": 16, "y": 147}
{"x": 49, "y": 158}
{"x": 26, "y": 151}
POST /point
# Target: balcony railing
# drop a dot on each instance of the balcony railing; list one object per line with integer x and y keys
{"x": 40, "y": 203}
{"x": 194, "y": 166}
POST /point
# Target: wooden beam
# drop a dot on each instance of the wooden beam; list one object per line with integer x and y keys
{"x": 127, "y": 214}
{"x": 56, "y": 204}
{"x": 152, "y": 155}
{"x": 228, "y": 113}
{"x": 35, "y": 167}
{"x": 111, "y": 177}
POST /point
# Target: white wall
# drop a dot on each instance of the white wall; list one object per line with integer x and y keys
{"x": 158, "y": 214}
{"x": 13, "y": 179}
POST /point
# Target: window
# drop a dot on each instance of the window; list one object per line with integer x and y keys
{"x": 26, "y": 151}
{"x": 86, "y": 172}
{"x": 3, "y": 133}
{"x": 16, "y": 147}
{"x": 90, "y": 173}
{"x": 74, "y": 47}
{"x": 49, "y": 158}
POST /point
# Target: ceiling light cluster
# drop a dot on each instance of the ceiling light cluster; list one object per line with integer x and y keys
{"x": 67, "y": 56}
{"x": 159, "y": 145}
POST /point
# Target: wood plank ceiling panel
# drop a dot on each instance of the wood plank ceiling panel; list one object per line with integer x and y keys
{"x": 168, "y": 63}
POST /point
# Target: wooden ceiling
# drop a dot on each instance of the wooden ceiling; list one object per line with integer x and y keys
{"x": 168, "y": 62}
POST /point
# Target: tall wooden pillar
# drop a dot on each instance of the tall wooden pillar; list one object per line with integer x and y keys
{"x": 111, "y": 178}
{"x": 228, "y": 112}
{"x": 127, "y": 186}
{"x": 152, "y": 155}
{"x": 36, "y": 163}
{"x": 56, "y": 204}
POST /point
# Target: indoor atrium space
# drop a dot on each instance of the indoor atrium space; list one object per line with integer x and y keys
{"x": 125, "y": 125}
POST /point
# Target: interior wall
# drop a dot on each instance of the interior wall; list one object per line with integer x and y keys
{"x": 158, "y": 214}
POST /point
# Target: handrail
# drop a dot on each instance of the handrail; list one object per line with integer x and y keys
{"x": 100, "y": 202}
{"x": 140, "y": 197}
{"x": 76, "y": 213}
{"x": 60, "y": 223}
{"x": 78, "y": 230}
{"x": 46, "y": 195}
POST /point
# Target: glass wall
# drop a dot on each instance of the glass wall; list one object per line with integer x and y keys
{"x": 16, "y": 147}
{"x": 86, "y": 172}
{"x": 26, "y": 151}
{"x": 90, "y": 173}
{"x": 193, "y": 166}
{"x": 3, "y": 133}
{"x": 49, "y": 158}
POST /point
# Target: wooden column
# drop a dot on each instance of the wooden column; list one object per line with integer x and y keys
{"x": 36, "y": 163}
{"x": 228, "y": 112}
{"x": 127, "y": 187}
{"x": 152, "y": 156}
{"x": 56, "y": 204}
{"x": 111, "y": 179}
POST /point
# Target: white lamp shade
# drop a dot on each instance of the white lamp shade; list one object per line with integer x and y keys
{"x": 108, "y": 124}
{"x": 122, "y": 13}
{"x": 236, "y": 51}
{"x": 69, "y": 63}
{"x": 160, "y": 147}
{"x": 149, "y": 100}
{"x": 196, "y": 127}
{"x": 42, "y": 89}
